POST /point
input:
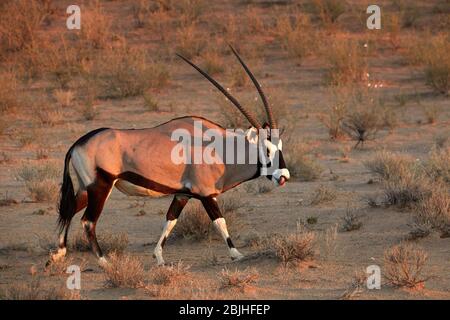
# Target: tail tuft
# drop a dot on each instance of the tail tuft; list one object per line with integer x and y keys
{"x": 67, "y": 201}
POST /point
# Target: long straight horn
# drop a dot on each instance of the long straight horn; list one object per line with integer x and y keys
{"x": 245, "y": 112}
{"x": 258, "y": 87}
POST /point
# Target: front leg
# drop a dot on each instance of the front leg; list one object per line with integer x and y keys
{"x": 212, "y": 208}
{"x": 177, "y": 205}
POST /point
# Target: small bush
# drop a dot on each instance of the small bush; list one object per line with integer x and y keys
{"x": 213, "y": 62}
{"x": 259, "y": 186}
{"x": 34, "y": 290}
{"x": 403, "y": 266}
{"x": 388, "y": 165}
{"x": 168, "y": 275}
{"x": 329, "y": 10}
{"x": 300, "y": 165}
{"x": 297, "y": 37}
{"x": 150, "y": 102}
{"x": 350, "y": 222}
{"x": 41, "y": 181}
{"x": 237, "y": 279}
{"x": 124, "y": 271}
{"x": 190, "y": 41}
{"x": 109, "y": 242}
{"x": 361, "y": 124}
{"x": 431, "y": 54}
{"x": 294, "y": 247}
{"x": 323, "y": 194}
{"x": 6, "y": 200}
{"x": 8, "y": 91}
{"x": 123, "y": 72}
{"x": 435, "y": 209}
{"x": 194, "y": 223}
{"x": 332, "y": 120}
{"x": 64, "y": 98}
{"x": 95, "y": 32}
{"x": 438, "y": 165}
{"x": 406, "y": 191}
{"x": 346, "y": 62}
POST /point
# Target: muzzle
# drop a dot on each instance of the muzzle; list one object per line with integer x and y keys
{"x": 280, "y": 176}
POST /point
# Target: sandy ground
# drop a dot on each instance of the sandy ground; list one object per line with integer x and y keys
{"x": 22, "y": 233}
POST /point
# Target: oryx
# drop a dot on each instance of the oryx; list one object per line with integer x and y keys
{"x": 138, "y": 162}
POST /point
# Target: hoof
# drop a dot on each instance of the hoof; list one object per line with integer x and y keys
{"x": 236, "y": 255}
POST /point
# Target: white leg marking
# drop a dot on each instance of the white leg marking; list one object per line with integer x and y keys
{"x": 61, "y": 253}
{"x": 221, "y": 226}
{"x": 102, "y": 262}
{"x": 166, "y": 231}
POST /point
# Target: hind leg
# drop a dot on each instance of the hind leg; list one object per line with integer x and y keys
{"x": 81, "y": 203}
{"x": 97, "y": 194}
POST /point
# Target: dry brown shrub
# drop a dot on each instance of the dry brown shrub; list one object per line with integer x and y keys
{"x": 40, "y": 180}
{"x": 361, "y": 124}
{"x": 238, "y": 279}
{"x": 95, "y": 32}
{"x": 357, "y": 286}
{"x": 8, "y": 91}
{"x": 64, "y": 98}
{"x": 124, "y": 271}
{"x": 438, "y": 165}
{"x": 347, "y": 62}
{"x": 213, "y": 62}
{"x": 124, "y": 71}
{"x": 435, "y": 209}
{"x": 19, "y": 24}
{"x": 404, "y": 264}
{"x": 194, "y": 223}
{"x": 388, "y": 165}
{"x": 300, "y": 164}
{"x": 294, "y": 247}
{"x": 109, "y": 242}
{"x": 431, "y": 54}
{"x": 297, "y": 35}
{"x": 323, "y": 194}
{"x": 190, "y": 42}
{"x": 36, "y": 290}
{"x": 171, "y": 274}
{"x": 329, "y": 10}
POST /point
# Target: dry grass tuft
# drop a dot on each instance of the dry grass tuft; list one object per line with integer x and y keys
{"x": 403, "y": 266}
{"x": 329, "y": 10}
{"x": 35, "y": 290}
{"x": 297, "y": 36}
{"x": 300, "y": 165}
{"x": 323, "y": 194}
{"x": 124, "y": 271}
{"x": 124, "y": 71}
{"x": 238, "y": 279}
{"x": 109, "y": 242}
{"x": 295, "y": 247}
{"x": 438, "y": 165}
{"x": 8, "y": 91}
{"x": 169, "y": 275}
{"x": 194, "y": 223}
{"x": 388, "y": 165}
{"x": 350, "y": 222}
{"x": 40, "y": 180}
{"x": 346, "y": 61}
{"x": 435, "y": 209}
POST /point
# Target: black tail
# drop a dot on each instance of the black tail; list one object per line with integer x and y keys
{"x": 67, "y": 201}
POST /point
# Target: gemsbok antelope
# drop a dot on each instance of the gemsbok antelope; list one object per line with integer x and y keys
{"x": 139, "y": 162}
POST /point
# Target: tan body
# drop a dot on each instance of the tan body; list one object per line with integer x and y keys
{"x": 145, "y": 152}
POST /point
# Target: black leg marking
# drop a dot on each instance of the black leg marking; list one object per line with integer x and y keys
{"x": 230, "y": 243}
{"x": 98, "y": 192}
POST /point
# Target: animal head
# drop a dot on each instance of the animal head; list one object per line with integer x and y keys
{"x": 270, "y": 158}
{"x": 269, "y": 144}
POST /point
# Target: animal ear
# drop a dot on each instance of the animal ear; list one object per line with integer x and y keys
{"x": 252, "y": 135}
